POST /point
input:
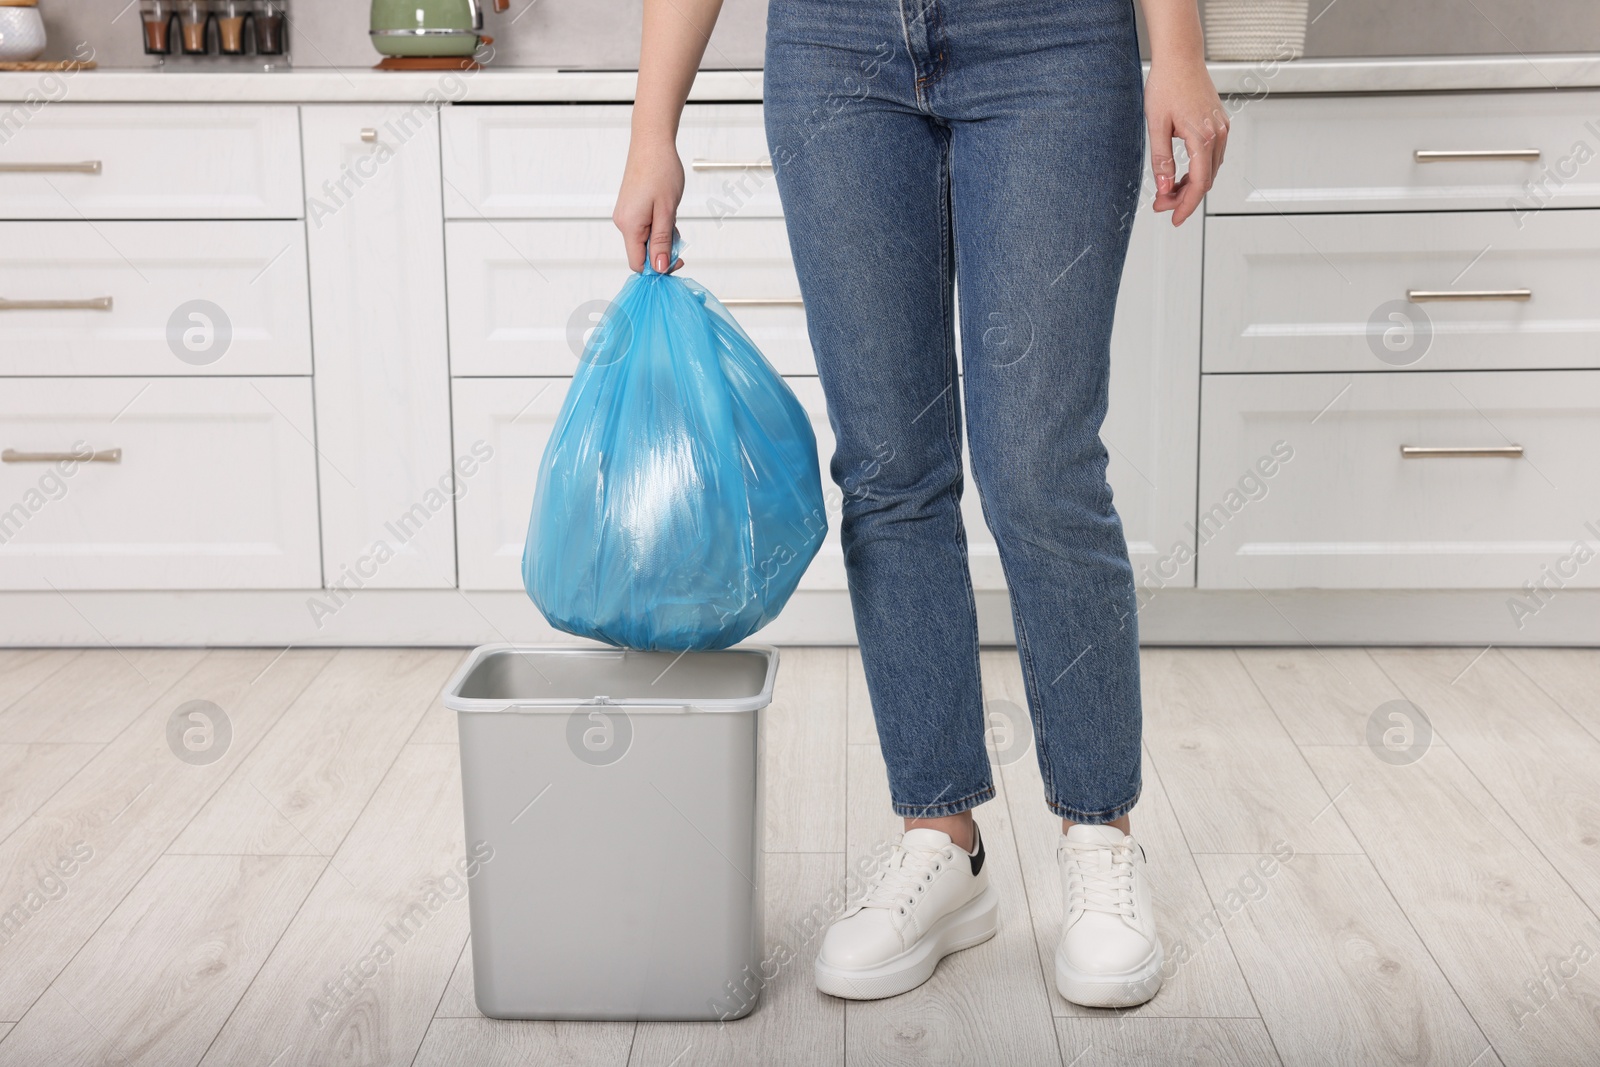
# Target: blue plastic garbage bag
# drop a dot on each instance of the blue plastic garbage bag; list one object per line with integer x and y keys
{"x": 679, "y": 499}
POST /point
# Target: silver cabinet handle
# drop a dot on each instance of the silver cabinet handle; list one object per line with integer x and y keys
{"x": 89, "y": 167}
{"x": 1436, "y": 452}
{"x": 731, "y": 164}
{"x": 764, "y": 301}
{"x": 1418, "y": 296}
{"x": 93, "y": 303}
{"x": 103, "y": 455}
{"x": 368, "y": 134}
{"x": 1426, "y": 155}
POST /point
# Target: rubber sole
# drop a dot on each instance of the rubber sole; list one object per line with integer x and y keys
{"x": 972, "y": 924}
{"x": 1125, "y": 990}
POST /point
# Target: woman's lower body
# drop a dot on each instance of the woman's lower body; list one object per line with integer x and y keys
{"x": 998, "y": 144}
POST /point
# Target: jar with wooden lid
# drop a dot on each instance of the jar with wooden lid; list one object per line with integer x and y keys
{"x": 21, "y": 31}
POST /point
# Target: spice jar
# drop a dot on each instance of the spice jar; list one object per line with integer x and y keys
{"x": 230, "y": 25}
{"x": 270, "y": 24}
{"x": 157, "y": 18}
{"x": 192, "y": 18}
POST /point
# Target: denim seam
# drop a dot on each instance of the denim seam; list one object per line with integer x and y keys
{"x": 953, "y": 415}
{"x": 949, "y": 807}
{"x": 952, "y": 423}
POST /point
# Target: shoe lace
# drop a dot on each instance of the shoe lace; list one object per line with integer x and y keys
{"x": 1097, "y": 882}
{"x": 906, "y": 873}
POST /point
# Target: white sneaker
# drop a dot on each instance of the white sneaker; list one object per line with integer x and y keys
{"x": 1109, "y": 956}
{"x": 929, "y": 899}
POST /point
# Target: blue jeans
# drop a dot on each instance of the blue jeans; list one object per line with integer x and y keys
{"x": 998, "y": 143}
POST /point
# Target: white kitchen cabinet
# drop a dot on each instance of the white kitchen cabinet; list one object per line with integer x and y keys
{"x": 1421, "y": 291}
{"x": 147, "y": 161}
{"x": 1517, "y": 151}
{"x": 1346, "y": 507}
{"x": 1154, "y": 411}
{"x": 566, "y": 161}
{"x": 505, "y": 424}
{"x": 196, "y": 484}
{"x": 154, "y": 298}
{"x": 373, "y": 225}
{"x": 524, "y": 295}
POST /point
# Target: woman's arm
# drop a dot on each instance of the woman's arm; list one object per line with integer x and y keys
{"x": 675, "y": 36}
{"x": 1180, "y": 101}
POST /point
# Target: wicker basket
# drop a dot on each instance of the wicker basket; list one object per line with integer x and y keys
{"x": 1255, "y": 29}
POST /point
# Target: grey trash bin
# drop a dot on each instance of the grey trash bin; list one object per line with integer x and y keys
{"x": 620, "y": 795}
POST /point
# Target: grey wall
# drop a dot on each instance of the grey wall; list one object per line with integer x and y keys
{"x": 605, "y": 33}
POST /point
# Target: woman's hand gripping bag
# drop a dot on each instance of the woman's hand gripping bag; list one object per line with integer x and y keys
{"x": 679, "y": 499}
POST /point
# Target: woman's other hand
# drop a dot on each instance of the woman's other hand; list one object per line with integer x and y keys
{"x": 1180, "y": 102}
{"x": 647, "y": 203}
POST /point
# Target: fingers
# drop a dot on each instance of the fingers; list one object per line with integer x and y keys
{"x": 1162, "y": 165}
{"x": 1205, "y": 142}
{"x": 661, "y": 237}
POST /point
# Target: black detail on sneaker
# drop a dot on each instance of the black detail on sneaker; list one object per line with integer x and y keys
{"x": 977, "y": 854}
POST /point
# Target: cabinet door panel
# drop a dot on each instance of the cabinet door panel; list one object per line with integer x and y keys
{"x": 378, "y": 320}
{"x": 1151, "y": 425}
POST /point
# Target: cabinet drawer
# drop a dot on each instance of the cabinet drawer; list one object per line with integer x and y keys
{"x": 1441, "y": 291}
{"x": 154, "y": 298}
{"x": 524, "y": 295}
{"x": 214, "y": 484}
{"x": 567, "y": 161}
{"x": 1303, "y": 483}
{"x": 114, "y": 161}
{"x": 1359, "y": 153}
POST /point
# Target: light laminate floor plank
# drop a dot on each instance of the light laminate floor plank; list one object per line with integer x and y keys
{"x": 1202, "y": 977}
{"x": 1322, "y": 696}
{"x": 94, "y": 697}
{"x": 157, "y": 980}
{"x": 438, "y": 724}
{"x": 1135, "y": 1042}
{"x": 23, "y": 668}
{"x": 480, "y": 1042}
{"x": 31, "y": 774}
{"x": 1338, "y": 972}
{"x": 1532, "y": 756}
{"x": 987, "y": 1004}
{"x": 123, "y": 809}
{"x": 1570, "y": 675}
{"x": 304, "y": 785}
{"x": 1236, "y": 780}
{"x": 351, "y": 981}
{"x": 1491, "y": 909}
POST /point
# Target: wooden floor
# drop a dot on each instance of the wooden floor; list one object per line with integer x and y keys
{"x": 1437, "y": 911}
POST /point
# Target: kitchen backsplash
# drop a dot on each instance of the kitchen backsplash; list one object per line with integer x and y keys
{"x": 604, "y": 34}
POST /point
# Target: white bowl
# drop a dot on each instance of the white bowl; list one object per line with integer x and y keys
{"x": 21, "y": 33}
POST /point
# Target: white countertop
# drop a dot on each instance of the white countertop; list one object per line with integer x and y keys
{"x": 501, "y": 85}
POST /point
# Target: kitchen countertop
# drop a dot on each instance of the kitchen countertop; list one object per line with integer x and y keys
{"x": 507, "y": 84}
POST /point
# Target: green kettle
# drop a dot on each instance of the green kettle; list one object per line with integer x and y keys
{"x": 428, "y": 27}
